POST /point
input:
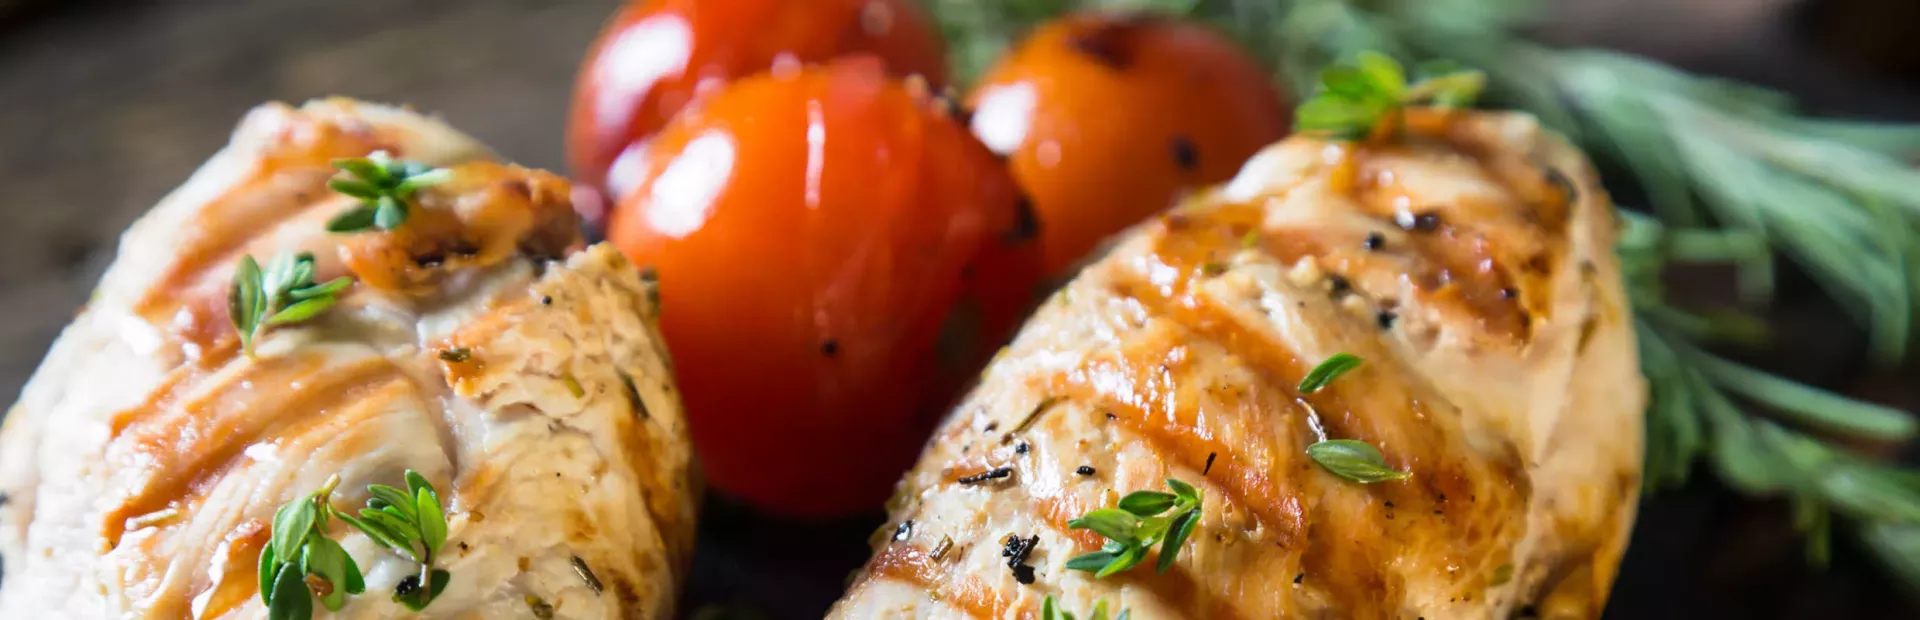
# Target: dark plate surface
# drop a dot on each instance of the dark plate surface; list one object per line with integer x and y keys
{"x": 104, "y": 106}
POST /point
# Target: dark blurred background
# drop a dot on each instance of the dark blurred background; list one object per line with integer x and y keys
{"x": 105, "y": 105}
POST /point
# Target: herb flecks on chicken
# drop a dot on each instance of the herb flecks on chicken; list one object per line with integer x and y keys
{"x": 1734, "y": 175}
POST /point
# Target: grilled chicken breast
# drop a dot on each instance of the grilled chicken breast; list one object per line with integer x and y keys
{"x": 1469, "y": 264}
{"x": 147, "y": 456}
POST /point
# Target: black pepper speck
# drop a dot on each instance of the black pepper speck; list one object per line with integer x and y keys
{"x": 1021, "y": 448}
{"x": 546, "y": 300}
{"x": 903, "y": 531}
{"x": 1375, "y": 241}
{"x": 1386, "y": 319}
{"x": 1184, "y": 154}
{"x": 1340, "y": 285}
{"x": 1084, "y": 470}
{"x": 830, "y": 347}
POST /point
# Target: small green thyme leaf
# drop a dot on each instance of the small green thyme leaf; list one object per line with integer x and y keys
{"x": 1355, "y": 99}
{"x": 1354, "y": 460}
{"x": 412, "y": 523}
{"x": 383, "y": 186}
{"x": 291, "y": 600}
{"x": 456, "y": 354}
{"x": 1178, "y": 531}
{"x": 1142, "y": 520}
{"x": 1327, "y": 371}
{"x": 1113, "y": 523}
{"x": 282, "y": 294}
{"x": 1147, "y": 503}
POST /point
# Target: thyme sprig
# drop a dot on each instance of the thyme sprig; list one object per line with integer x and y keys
{"x": 300, "y": 562}
{"x": 282, "y": 294}
{"x": 1732, "y": 173}
{"x": 1355, "y": 100}
{"x": 412, "y": 523}
{"x": 1142, "y": 520}
{"x": 383, "y": 185}
{"x": 1053, "y": 610}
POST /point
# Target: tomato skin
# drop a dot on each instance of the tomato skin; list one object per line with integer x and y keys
{"x": 813, "y": 231}
{"x": 1108, "y": 118}
{"x": 655, "y": 55}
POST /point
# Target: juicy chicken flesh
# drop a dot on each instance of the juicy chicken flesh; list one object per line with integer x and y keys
{"x": 146, "y": 457}
{"x": 1469, "y": 264}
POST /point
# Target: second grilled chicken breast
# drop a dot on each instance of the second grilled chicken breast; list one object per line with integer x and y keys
{"x": 144, "y": 463}
{"x": 1469, "y": 264}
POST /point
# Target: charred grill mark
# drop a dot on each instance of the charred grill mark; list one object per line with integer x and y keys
{"x": 181, "y": 448}
{"x": 913, "y": 565}
{"x": 225, "y": 225}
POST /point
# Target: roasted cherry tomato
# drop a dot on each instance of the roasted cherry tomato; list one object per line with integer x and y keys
{"x": 655, "y": 54}
{"x": 836, "y": 255}
{"x": 1109, "y": 118}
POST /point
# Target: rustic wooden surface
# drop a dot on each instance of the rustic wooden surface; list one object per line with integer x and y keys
{"x": 106, "y": 105}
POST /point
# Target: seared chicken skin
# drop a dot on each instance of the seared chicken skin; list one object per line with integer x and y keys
{"x": 1468, "y": 263}
{"x": 147, "y": 456}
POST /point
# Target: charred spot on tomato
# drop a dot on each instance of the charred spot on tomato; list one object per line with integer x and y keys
{"x": 829, "y": 347}
{"x": 1185, "y": 155}
{"x": 1106, "y": 43}
{"x": 1026, "y": 222}
{"x": 1374, "y": 242}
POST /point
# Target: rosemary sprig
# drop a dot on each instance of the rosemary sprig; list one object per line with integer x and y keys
{"x": 383, "y": 184}
{"x": 1051, "y": 610}
{"x": 1733, "y": 175}
{"x": 283, "y": 294}
{"x": 1143, "y": 519}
